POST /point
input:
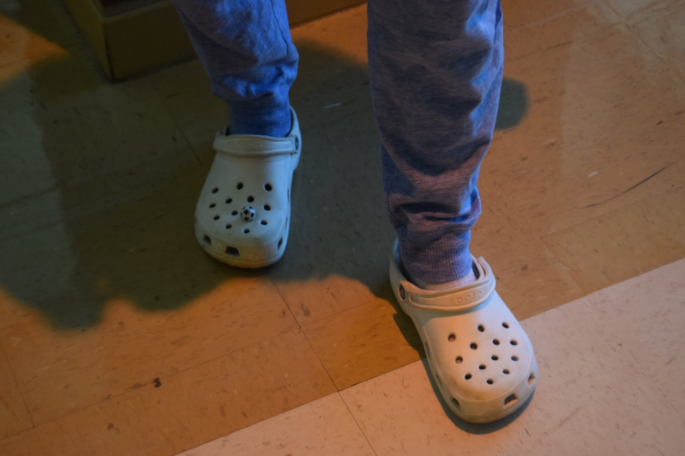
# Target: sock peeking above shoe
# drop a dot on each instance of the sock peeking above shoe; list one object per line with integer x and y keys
{"x": 467, "y": 279}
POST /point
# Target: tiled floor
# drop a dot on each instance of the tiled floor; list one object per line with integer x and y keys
{"x": 611, "y": 372}
{"x": 118, "y": 335}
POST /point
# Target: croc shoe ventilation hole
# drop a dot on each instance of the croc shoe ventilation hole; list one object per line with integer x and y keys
{"x": 510, "y": 400}
{"x": 455, "y": 403}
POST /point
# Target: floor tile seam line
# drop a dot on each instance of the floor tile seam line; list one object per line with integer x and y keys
{"x": 351, "y": 385}
{"x": 245, "y": 428}
{"x": 176, "y": 122}
{"x": 18, "y": 435}
{"x": 287, "y": 306}
{"x": 25, "y": 198}
{"x": 584, "y": 292}
{"x": 316, "y": 353}
{"x": 15, "y": 233}
{"x": 166, "y": 377}
{"x": 652, "y": 14}
{"x": 307, "y": 325}
{"x": 21, "y": 392}
{"x": 61, "y": 187}
{"x": 673, "y": 70}
{"x": 185, "y": 137}
{"x": 651, "y": 50}
{"x": 347, "y": 406}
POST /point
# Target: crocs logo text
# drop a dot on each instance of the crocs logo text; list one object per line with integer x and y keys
{"x": 237, "y": 145}
{"x": 466, "y": 297}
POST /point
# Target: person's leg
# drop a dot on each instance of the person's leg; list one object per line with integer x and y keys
{"x": 243, "y": 212}
{"x": 246, "y": 49}
{"x": 436, "y": 72}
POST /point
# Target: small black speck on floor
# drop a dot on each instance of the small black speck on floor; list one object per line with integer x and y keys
{"x": 157, "y": 382}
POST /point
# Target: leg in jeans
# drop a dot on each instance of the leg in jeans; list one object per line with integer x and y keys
{"x": 246, "y": 49}
{"x": 243, "y": 211}
{"x": 436, "y": 72}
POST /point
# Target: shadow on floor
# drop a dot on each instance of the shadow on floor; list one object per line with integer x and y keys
{"x": 126, "y": 185}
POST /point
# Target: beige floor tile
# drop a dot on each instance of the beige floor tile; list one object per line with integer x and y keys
{"x": 191, "y": 407}
{"x": 61, "y": 370}
{"x": 624, "y": 243}
{"x": 592, "y": 398}
{"x": 324, "y": 427}
{"x": 664, "y": 33}
{"x": 534, "y": 25}
{"x": 646, "y": 315}
{"x": 14, "y": 417}
{"x": 602, "y": 130}
{"x": 365, "y": 341}
{"x": 634, "y": 10}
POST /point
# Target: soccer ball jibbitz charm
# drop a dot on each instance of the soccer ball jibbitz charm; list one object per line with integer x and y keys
{"x": 248, "y": 213}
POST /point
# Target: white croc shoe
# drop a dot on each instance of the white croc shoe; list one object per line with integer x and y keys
{"x": 243, "y": 215}
{"x": 479, "y": 355}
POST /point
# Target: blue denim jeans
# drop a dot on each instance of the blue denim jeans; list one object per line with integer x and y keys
{"x": 435, "y": 68}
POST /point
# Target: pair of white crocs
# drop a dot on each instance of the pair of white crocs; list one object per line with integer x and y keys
{"x": 479, "y": 355}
